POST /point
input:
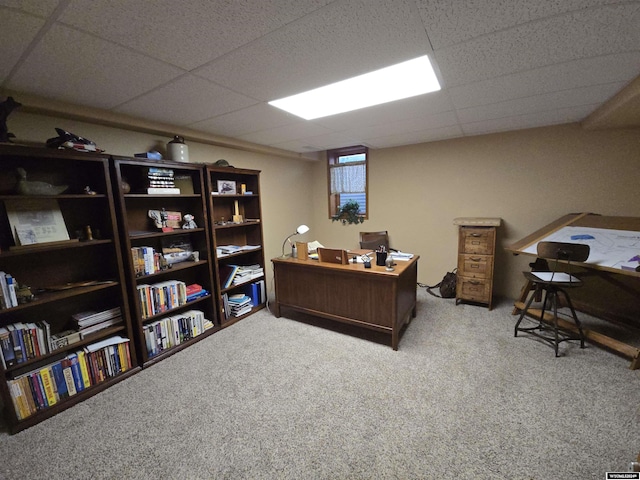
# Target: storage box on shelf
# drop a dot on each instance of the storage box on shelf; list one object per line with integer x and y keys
{"x": 237, "y": 241}
{"x": 60, "y": 257}
{"x": 162, "y": 211}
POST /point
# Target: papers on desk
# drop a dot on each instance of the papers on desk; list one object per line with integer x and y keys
{"x": 555, "y": 276}
{"x": 401, "y": 256}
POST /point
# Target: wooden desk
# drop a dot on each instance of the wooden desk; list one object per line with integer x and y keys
{"x": 371, "y": 298}
{"x": 608, "y": 293}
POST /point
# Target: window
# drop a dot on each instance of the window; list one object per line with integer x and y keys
{"x": 347, "y": 169}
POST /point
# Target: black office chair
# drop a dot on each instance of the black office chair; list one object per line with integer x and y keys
{"x": 372, "y": 240}
{"x": 553, "y": 283}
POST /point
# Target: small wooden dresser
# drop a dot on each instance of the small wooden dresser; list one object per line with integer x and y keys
{"x": 476, "y": 254}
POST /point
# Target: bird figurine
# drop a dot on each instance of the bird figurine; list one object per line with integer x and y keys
{"x": 27, "y": 187}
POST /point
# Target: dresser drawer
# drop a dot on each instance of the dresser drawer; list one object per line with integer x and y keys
{"x": 476, "y": 240}
{"x": 475, "y": 266}
{"x": 473, "y": 289}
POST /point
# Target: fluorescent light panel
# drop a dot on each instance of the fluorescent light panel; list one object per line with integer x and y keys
{"x": 404, "y": 80}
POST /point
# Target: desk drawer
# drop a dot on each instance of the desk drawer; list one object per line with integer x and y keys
{"x": 474, "y": 289}
{"x": 477, "y": 240}
{"x": 475, "y": 266}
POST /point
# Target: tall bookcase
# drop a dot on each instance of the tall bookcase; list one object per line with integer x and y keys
{"x": 236, "y": 224}
{"x": 65, "y": 247}
{"x": 163, "y": 318}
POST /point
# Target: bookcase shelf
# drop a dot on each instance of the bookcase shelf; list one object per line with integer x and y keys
{"x": 230, "y": 230}
{"x": 81, "y": 264}
{"x": 160, "y": 314}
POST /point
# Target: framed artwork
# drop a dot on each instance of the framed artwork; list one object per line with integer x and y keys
{"x": 226, "y": 187}
{"x": 36, "y": 220}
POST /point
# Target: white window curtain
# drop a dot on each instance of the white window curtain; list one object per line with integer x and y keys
{"x": 348, "y": 179}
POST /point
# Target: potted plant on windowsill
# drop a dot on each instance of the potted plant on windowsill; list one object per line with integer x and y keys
{"x": 349, "y": 213}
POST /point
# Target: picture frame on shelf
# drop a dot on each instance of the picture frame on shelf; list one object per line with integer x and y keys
{"x": 36, "y": 220}
{"x": 226, "y": 187}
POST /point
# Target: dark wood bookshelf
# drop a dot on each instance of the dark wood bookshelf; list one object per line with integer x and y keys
{"x": 66, "y": 277}
{"x": 130, "y": 177}
{"x": 222, "y": 208}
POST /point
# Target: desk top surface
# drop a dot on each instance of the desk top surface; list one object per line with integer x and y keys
{"x": 399, "y": 267}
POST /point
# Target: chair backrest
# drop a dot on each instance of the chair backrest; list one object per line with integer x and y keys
{"x": 372, "y": 240}
{"x": 333, "y": 255}
{"x": 568, "y": 252}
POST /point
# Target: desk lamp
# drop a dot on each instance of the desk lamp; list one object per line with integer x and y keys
{"x": 299, "y": 231}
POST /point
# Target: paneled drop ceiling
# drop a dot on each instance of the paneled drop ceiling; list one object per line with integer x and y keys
{"x": 211, "y": 66}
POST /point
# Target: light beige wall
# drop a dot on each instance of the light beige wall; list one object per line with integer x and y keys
{"x": 285, "y": 183}
{"x": 528, "y": 178}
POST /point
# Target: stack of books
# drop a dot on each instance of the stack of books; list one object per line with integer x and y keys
{"x": 239, "y": 304}
{"x": 246, "y": 273}
{"x": 195, "y": 291}
{"x": 161, "y": 181}
{"x": 91, "y": 321}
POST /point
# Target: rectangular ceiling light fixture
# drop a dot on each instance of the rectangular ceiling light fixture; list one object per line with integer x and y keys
{"x": 404, "y": 80}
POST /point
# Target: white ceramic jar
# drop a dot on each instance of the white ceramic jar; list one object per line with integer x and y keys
{"x": 178, "y": 150}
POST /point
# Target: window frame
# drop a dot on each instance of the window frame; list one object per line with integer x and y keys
{"x": 332, "y": 162}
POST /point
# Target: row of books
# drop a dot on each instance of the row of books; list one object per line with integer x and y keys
{"x": 161, "y": 181}
{"x": 53, "y": 383}
{"x": 20, "y": 342}
{"x": 257, "y": 292}
{"x": 161, "y": 297}
{"x": 238, "y": 274}
{"x": 8, "y": 289}
{"x": 145, "y": 260}
{"x": 173, "y": 330}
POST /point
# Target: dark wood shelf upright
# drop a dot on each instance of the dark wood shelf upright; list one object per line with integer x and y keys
{"x": 246, "y": 233}
{"x": 131, "y": 181}
{"x": 66, "y": 277}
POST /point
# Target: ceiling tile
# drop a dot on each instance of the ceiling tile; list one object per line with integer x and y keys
{"x": 410, "y": 125}
{"x": 345, "y": 39}
{"x": 87, "y": 71}
{"x": 584, "y": 34}
{"x": 410, "y": 138}
{"x": 540, "y": 103}
{"x": 429, "y": 103}
{"x": 449, "y": 23}
{"x": 185, "y": 100}
{"x": 539, "y": 119}
{"x": 560, "y": 77}
{"x": 189, "y": 33}
{"x": 247, "y": 120}
{"x": 318, "y": 143}
{"x": 286, "y": 133}
{"x": 40, "y": 8}
{"x": 18, "y": 29}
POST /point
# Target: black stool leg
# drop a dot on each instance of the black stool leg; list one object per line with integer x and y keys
{"x": 575, "y": 318}
{"x": 556, "y": 337}
{"x": 524, "y": 311}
